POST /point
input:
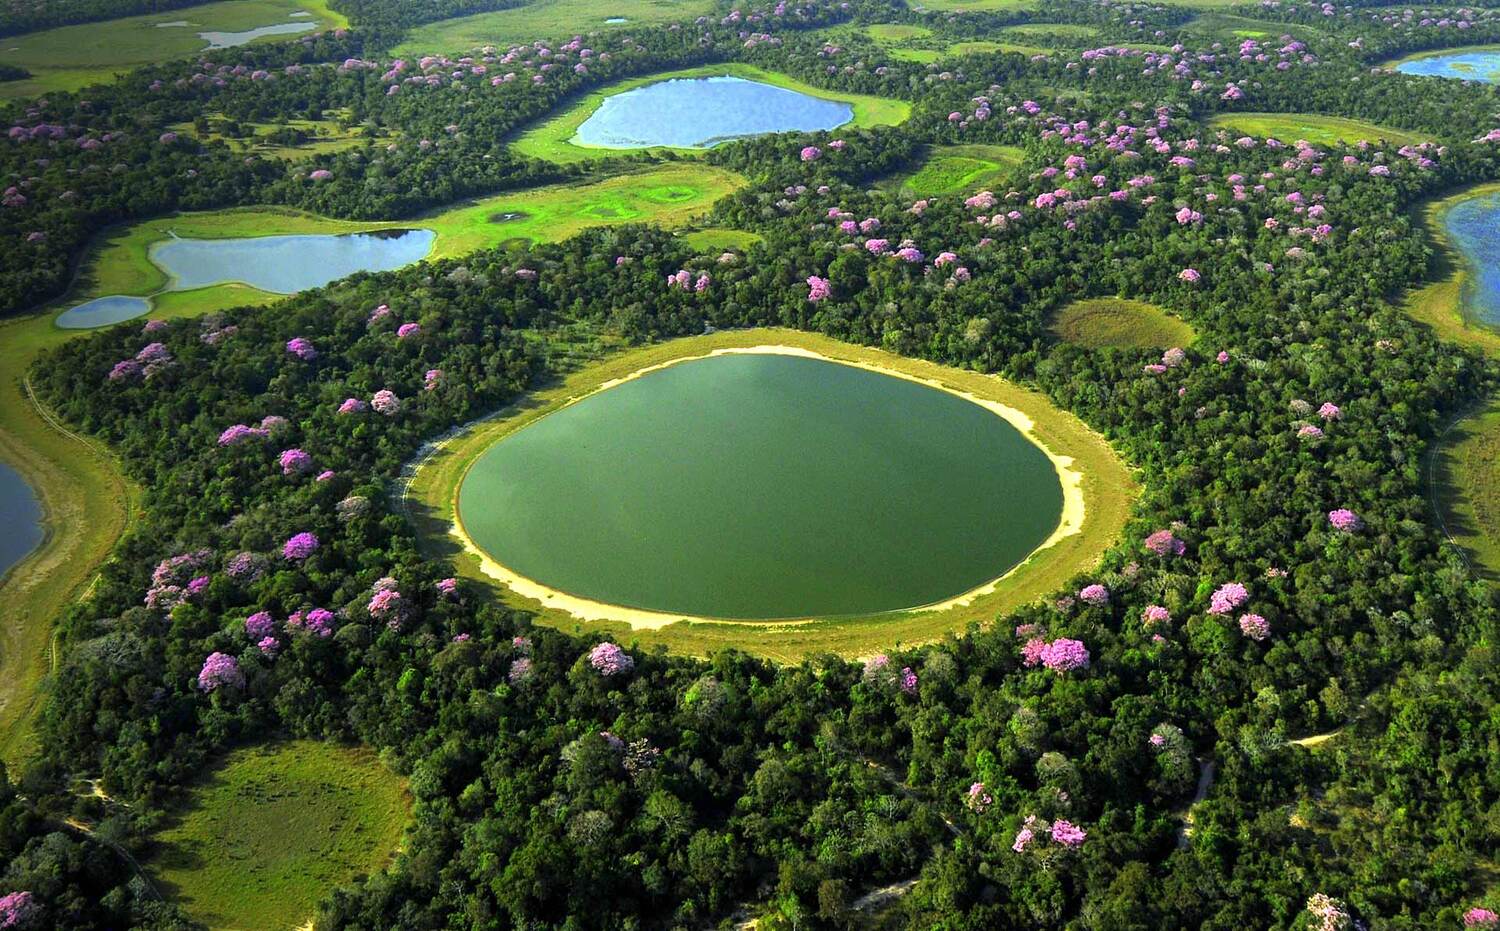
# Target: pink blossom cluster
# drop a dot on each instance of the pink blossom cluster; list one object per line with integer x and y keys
{"x": 408, "y": 330}
{"x": 1165, "y": 543}
{"x": 1227, "y": 597}
{"x": 1481, "y": 919}
{"x": 1094, "y": 594}
{"x": 385, "y": 402}
{"x": 1065, "y": 655}
{"x": 977, "y": 799}
{"x": 299, "y": 546}
{"x": 295, "y": 462}
{"x": 19, "y": 910}
{"x": 1329, "y": 913}
{"x": 608, "y": 659}
{"x": 521, "y": 671}
{"x": 220, "y": 670}
{"x": 1255, "y": 627}
{"x": 1154, "y": 615}
{"x": 1345, "y": 520}
{"x": 1064, "y": 833}
{"x": 317, "y": 621}
{"x": 260, "y": 624}
{"x": 302, "y": 348}
{"x": 817, "y": 288}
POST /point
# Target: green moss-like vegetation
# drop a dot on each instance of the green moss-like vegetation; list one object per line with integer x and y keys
{"x": 1319, "y": 130}
{"x": 1065, "y": 30}
{"x": 1113, "y": 322}
{"x": 719, "y": 239}
{"x": 1466, "y": 493}
{"x": 289, "y": 139}
{"x": 553, "y": 139}
{"x": 544, "y": 19}
{"x": 977, "y": 6}
{"x": 70, "y": 57}
{"x": 957, "y": 168}
{"x": 271, "y": 830}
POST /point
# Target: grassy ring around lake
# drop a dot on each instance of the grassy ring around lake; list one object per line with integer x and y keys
{"x": 553, "y": 138}
{"x": 1097, "y": 486}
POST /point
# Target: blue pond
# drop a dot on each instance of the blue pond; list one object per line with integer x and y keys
{"x": 284, "y": 264}
{"x": 695, "y": 113}
{"x": 1473, "y": 65}
{"x": 103, "y": 311}
{"x": 232, "y": 39}
{"x": 1473, "y": 226}
{"x": 280, "y": 264}
{"x": 20, "y": 515}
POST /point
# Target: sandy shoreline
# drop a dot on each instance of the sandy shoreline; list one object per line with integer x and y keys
{"x": 1070, "y": 521}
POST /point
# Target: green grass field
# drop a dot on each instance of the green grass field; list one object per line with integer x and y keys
{"x": 1066, "y": 30}
{"x": 975, "y": 6}
{"x": 955, "y": 169}
{"x": 325, "y": 136}
{"x": 1108, "y": 490}
{"x": 719, "y": 239}
{"x": 552, "y": 138}
{"x": 1319, "y": 130}
{"x": 273, "y": 829}
{"x": 1230, "y": 28}
{"x": 544, "y": 19}
{"x": 70, "y": 57}
{"x": 1113, "y": 322}
{"x": 1466, "y": 492}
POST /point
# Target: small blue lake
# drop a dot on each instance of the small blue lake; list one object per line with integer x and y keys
{"x": 1472, "y": 65}
{"x": 286, "y": 264}
{"x": 232, "y": 39}
{"x": 694, "y": 113}
{"x": 20, "y": 515}
{"x": 279, "y": 264}
{"x": 103, "y": 311}
{"x": 1473, "y": 226}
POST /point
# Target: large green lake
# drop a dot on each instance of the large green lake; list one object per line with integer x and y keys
{"x": 763, "y": 486}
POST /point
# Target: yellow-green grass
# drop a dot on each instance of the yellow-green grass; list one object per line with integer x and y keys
{"x": 1463, "y": 475}
{"x": 273, "y": 829}
{"x": 953, "y": 169}
{"x": 1438, "y": 53}
{"x": 1113, "y": 322}
{"x": 719, "y": 239}
{"x": 896, "y": 32}
{"x": 928, "y": 55}
{"x": 544, "y": 19}
{"x": 324, "y": 136}
{"x": 1108, "y": 489}
{"x": 71, "y": 57}
{"x": 86, "y": 501}
{"x": 553, "y": 139}
{"x": 1228, "y": 27}
{"x": 1466, "y": 486}
{"x": 1068, "y": 30}
{"x": 1319, "y": 130}
{"x": 975, "y": 6}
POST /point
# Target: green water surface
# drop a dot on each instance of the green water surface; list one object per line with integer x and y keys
{"x": 763, "y": 486}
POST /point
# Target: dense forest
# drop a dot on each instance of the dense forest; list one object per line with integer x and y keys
{"x": 1280, "y": 575}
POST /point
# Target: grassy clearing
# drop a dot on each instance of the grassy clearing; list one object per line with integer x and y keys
{"x": 1067, "y": 30}
{"x": 1113, "y": 322}
{"x": 544, "y": 19}
{"x": 957, "y": 169}
{"x": 1229, "y": 28}
{"x": 720, "y": 239}
{"x": 1466, "y": 493}
{"x": 975, "y": 6}
{"x": 552, "y": 139}
{"x": 268, "y": 833}
{"x": 1440, "y": 304}
{"x": 322, "y": 136}
{"x": 1108, "y": 490}
{"x": 70, "y": 57}
{"x": 1319, "y": 130}
{"x": 85, "y": 499}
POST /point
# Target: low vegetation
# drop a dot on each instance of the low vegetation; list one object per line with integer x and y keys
{"x": 1318, "y": 130}
{"x": 1115, "y": 323}
{"x": 260, "y": 840}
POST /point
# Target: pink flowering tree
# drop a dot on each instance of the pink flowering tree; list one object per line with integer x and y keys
{"x": 609, "y": 660}
{"x": 220, "y": 670}
{"x": 1064, "y": 655}
{"x": 1227, "y": 597}
{"x": 299, "y": 546}
{"x": 19, "y": 910}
